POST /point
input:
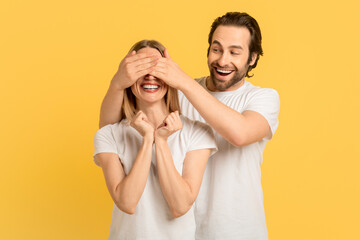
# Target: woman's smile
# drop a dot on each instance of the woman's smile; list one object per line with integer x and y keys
{"x": 150, "y": 87}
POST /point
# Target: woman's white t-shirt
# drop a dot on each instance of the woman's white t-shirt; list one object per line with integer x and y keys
{"x": 152, "y": 218}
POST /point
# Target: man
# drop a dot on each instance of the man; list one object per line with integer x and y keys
{"x": 243, "y": 117}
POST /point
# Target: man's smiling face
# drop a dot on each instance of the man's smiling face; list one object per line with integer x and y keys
{"x": 228, "y": 58}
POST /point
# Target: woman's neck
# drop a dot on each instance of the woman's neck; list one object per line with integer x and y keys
{"x": 155, "y": 112}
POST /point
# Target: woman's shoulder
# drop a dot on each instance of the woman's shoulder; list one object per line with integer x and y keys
{"x": 114, "y": 128}
{"x": 198, "y": 134}
{"x": 186, "y": 122}
{"x": 193, "y": 125}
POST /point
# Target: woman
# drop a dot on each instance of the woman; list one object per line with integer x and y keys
{"x": 153, "y": 160}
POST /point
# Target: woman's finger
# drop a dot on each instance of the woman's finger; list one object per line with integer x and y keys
{"x": 177, "y": 120}
{"x": 169, "y": 124}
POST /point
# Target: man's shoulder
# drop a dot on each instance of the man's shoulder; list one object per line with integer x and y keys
{"x": 257, "y": 90}
{"x": 201, "y": 80}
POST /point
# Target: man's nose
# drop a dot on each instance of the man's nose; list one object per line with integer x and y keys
{"x": 223, "y": 59}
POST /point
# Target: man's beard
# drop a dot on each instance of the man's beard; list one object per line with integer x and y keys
{"x": 221, "y": 85}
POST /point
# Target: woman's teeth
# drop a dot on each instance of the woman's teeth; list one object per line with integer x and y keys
{"x": 150, "y": 87}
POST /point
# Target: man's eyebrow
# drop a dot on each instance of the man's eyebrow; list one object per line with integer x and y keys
{"x": 232, "y": 46}
{"x": 216, "y": 42}
{"x": 236, "y": 46}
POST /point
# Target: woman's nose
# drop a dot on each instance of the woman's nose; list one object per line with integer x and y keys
{"x": 149, "y": 77}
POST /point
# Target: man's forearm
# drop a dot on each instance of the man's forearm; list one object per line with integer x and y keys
{"x": 110, "y": 111}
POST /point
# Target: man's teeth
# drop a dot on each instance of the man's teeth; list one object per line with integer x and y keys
{"x": 223, "y": 71}
{"x": 150, "y": 87}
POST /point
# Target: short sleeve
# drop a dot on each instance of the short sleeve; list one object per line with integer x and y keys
{"x": 201, "y": 137}
{"x": 104, "y": 141}
{"x": 266, "y": 102}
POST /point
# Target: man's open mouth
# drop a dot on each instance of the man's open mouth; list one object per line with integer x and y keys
{"x": 223, "y": 72}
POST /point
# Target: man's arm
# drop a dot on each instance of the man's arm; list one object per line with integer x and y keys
{"x": 110, "y": 111}
{"x": 237, "y": 128}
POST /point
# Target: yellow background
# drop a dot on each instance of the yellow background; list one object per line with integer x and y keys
{"x": 58, "y": 57}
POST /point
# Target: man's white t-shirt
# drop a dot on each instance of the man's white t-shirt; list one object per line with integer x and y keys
{"x": 230, "y": 202}
{"x": 152, "y": 218}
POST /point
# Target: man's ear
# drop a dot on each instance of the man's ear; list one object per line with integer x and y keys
{"x": 253, "y": 59}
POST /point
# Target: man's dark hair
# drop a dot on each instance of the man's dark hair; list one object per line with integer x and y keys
{"x": 239, "y": 19}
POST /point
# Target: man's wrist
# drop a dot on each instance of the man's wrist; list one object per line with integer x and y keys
{"x": 187, "y": 85}
{"x": 115, "y": 84}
